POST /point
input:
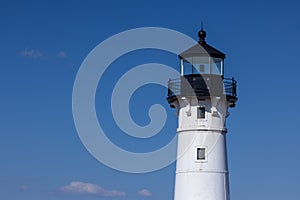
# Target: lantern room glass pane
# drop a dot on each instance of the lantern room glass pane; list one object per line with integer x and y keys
{"x": 197, "y": 65}
{"x": 203, "y": 65}
{"x": 187, "y": 68}
{"x": 216, "y": 64}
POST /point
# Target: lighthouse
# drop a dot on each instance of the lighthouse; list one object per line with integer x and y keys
{"x": 202, "y": 97}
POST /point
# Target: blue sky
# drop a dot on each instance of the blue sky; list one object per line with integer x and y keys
{"x": 43, "y": 44}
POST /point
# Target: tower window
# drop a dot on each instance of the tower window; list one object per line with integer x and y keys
{"x": 201, "y": 153}
{"x": 201, "y": 112}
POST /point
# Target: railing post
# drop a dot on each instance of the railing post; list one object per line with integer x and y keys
{"x": 233, "y": 87}
{"x": 169, "y": 84}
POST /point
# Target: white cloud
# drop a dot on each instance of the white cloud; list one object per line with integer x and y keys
{"x": 62, "y": 54}
{"x": 33, "y": 53}
{"x": 145, "y": 193}
{"x": 78, "y": 187}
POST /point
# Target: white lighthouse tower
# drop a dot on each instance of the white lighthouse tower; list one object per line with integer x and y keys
{"x": 202, "y": 97}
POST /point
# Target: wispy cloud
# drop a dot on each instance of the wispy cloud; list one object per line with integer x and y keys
{"x": 145, "y": 193}
{"x": 77, "y": 187}
{"x": 32, "y": 53}
{"x": 62, "y": 54}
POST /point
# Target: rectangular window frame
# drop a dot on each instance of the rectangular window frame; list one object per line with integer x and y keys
{"x": 201, "y": 113}
{"x": 199, "y": 158}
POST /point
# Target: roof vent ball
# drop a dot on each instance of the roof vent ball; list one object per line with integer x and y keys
{"x": 202, "y": 35}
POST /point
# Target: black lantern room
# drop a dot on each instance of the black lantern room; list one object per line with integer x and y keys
{"x": 202, "y": 74}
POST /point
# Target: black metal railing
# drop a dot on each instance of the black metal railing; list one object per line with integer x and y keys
{"x": 202, "y": 85}
{"x": 230, "y": 86}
